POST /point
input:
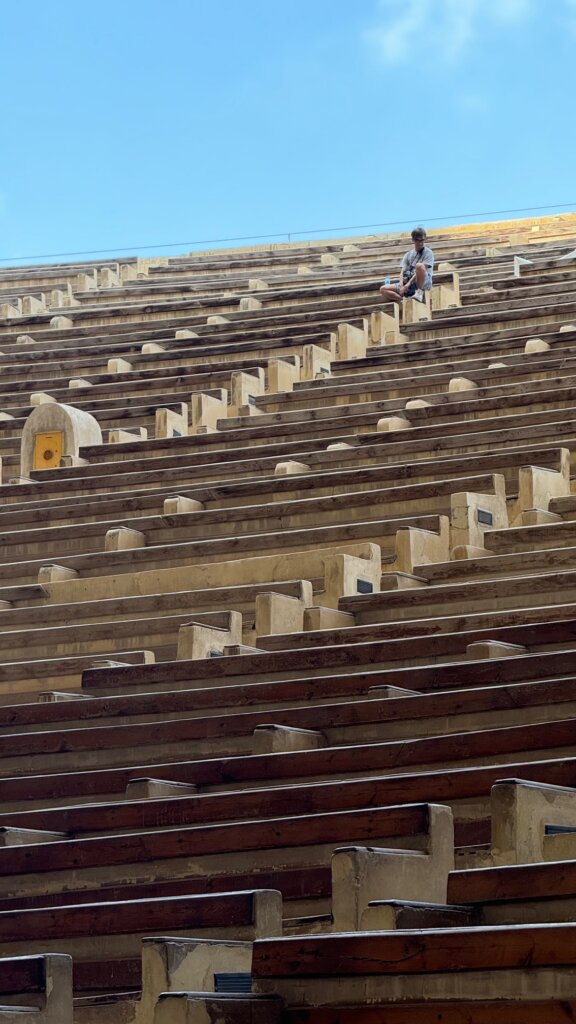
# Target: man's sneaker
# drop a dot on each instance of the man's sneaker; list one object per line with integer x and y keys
{"x": 419, "y": 295}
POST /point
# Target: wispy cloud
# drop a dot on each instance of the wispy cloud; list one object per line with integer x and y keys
{"x": 445, "y": 27}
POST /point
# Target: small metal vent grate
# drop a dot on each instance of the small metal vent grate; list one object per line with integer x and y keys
{"x": 364, "y": 587}
{"x": 232, "y": 982}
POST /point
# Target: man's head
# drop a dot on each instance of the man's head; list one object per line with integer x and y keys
{"x": 419, "y": 238}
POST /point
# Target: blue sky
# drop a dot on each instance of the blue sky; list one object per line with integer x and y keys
{"x": 139, "y": 122}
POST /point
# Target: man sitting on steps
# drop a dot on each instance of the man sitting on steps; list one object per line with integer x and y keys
{"x": 416, "y": 273}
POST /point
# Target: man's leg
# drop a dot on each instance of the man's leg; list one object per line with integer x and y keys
{"x": 390, "y": 294}
{"x": 420, "y": 276}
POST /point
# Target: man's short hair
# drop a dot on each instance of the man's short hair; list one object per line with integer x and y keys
{"x": 418, "y": 234}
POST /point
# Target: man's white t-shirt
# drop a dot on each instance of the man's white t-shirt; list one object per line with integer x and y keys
{"x": 425, "y": 256}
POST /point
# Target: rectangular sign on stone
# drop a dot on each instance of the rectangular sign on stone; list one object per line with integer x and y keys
{"x": 486, "y": 518}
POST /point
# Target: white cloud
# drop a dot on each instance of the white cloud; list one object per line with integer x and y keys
{"x": 444, "y": 27}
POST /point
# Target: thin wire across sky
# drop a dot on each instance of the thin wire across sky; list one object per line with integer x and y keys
{"x": 285, "y": 235}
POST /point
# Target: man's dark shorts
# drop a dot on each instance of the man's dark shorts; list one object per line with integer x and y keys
{"x": 411, "y": 291}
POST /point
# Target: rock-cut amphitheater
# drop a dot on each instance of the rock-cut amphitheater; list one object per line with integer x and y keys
{"x": 288, "y": 635}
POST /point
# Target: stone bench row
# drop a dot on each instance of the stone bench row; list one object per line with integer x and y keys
{"x": 282, "y": 745}
{"x": 397, "y": 653}
{"x": 454, "y": 965}
{"x": 463, "y": 691}
{"x": 357, "y": 418}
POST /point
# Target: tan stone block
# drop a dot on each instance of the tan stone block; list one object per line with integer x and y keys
{"x": 197, "y": 641}
{"x": 32, "y": 305}
{"x": 257, "y": 284}
{"x": 391, "y": 692}
{"x": 401, "y": 580}
{"x": 123, "y": 538}
{"x": 177, "y": 504}
{"x": 316, "y": 363}
{"x": 69, "y": 299}
{"x": 10, "y": 836}
{"x": 73, "y": 460}
{"x": 57, "y": 298}
{"x": 393, "y": 423}
{"x": 25, "y": 339}
{"x": 86, "y": 282}
{"x": 60, "y": 323}
{"x": 518, "y": 263}
{"x": 536, "y": 345}
{"x": 320, "y": 617}
{"x": 205, "y": 1007}
{"x": 519, "y": 813}
{"x": 418, "y": 403}
{"x": 567, "y": 329}
{"x": 187, "y": 965}
{"x": 245, "y": 388}
{"x": 208, "y": 409}
{"x": 156, "y": 789}
{"x": 282, "y": 374}
{"x": 303, "y": 270}
{"x": 346, "y": 574}
{"x": 414, "y": 312}
{"x": 41, "y": 398}
{"x": 443, "y": 297}
{"x": 538, "y": 485}
{"x": 151, "y": 348}
{"x": 248, "y": 303}
{"x": 57, "y": 696}
{"x": 384, "y": 328}
{"x": 281, "y": 739}
{"x": 471, "y": 515}
{"x": 217, "y": 319}
{"x": 279, "y": 613}
{"x": 339, "y": 446}
{"x": 497, "y": 366}
{"x": 79, "y": 382}
{"x": 243, "y": 410}
{"x": 108, "y": 277}
{"x": 328, "y": 259}
{"x": 290, "y": 468}
{"x": 457, "y": 384}
{"x": 184, "y": 332}
{"x": 537, "y": 516}
{"x": 56, "y": 574}
{"x": 361, "y": 875}
{"x": 8, "y": 311}
{"x": 128, "y": 272}
{"x": 487, "y": 649}
{"x": 238, "y": 650}
{"x": 169, "y": 423}
{"x": 118, "y": 366}
{"x": 351, "y": 342}
{"x": 119, "y": 436}
{"x": 461, "y": 551}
